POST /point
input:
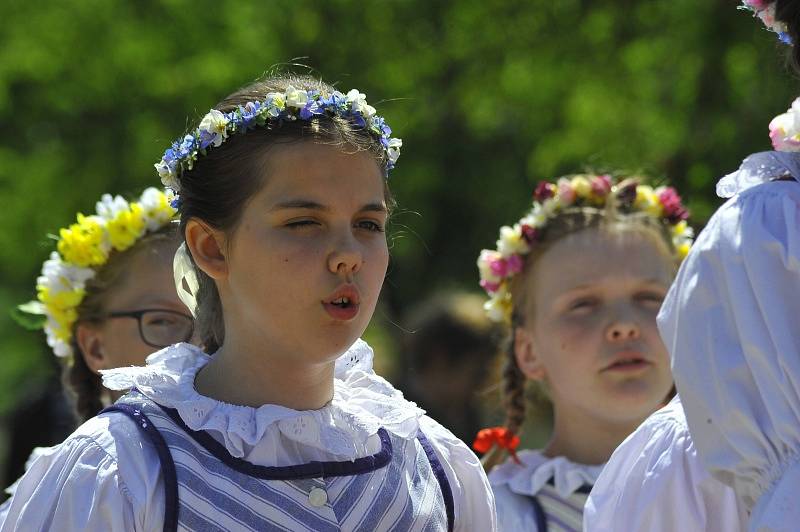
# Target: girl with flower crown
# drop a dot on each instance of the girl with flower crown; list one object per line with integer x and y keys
{"x": 106, "y": 297}
{"x": 578, "y": 282}
{"x": 283, "y": 200}
{"x": 724, "y": 454}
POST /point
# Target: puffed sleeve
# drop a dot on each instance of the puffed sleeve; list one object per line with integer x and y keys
{"x": 732, "y": 324}
{"x": 654, "y": 482}
{"x": 472, "y": 495}
{"x": 80, "y": 486}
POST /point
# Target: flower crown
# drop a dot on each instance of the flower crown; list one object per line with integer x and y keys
{"x": 784, "y": 129}
{"x": 83, "y": 248}
{"x": 765, "y": 10}
{"x": 498, "y": 267}
{"x": 294, "y": 104}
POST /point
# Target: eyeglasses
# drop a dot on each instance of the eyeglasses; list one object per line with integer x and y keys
{"x": 160, "y": 328}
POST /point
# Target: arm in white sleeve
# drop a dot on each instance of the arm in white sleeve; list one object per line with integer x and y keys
{"x": 730, "y": 322}
{"x": 472, "y": 496}
{"x": 655, "y": 483}
{"x": 82, "y": 486}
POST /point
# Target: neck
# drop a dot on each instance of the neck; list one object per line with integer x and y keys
{"x": 584, "y": 439}
{"x": 251, "y": 377}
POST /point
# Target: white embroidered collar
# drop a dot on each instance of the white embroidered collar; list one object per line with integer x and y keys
{"x": 536, "y": 470}
{"x": 362, "y": 403}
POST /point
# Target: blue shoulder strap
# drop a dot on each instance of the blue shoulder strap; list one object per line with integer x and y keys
{"x": 538, "y": 512}
{"x": 438, "y": 470}
{"x": 164, "y": 457}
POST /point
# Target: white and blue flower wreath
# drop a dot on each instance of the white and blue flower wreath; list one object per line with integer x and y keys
{"x": 294, "y": 104}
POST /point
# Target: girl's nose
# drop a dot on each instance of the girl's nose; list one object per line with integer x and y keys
{"x": 345, "y": 258}
{"x": 622, "y": 330}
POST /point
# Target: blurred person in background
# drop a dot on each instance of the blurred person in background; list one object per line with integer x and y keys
{"x": 449, "y": 351}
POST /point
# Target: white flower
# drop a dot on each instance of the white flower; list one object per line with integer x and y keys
{"x": 498, "y": 307}
{"x": 156, "y": 206}
{"x": 296, "y": 98}
{"x": 358, "y": 103}
{"x": 215, "y": 123}
{"x": 486, "y": 257}
{"x": 511, "y": 241}
{"x": 109, "y": 207}
{"x": 784, "y": 129}
{"x": 58, "y": 276}
{"x": 393, "y": 149}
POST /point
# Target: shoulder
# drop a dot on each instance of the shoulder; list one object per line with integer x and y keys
{"x": 104, "y": 476}
{"x": 654, "y": 481}
{"x": 472, "y": 496}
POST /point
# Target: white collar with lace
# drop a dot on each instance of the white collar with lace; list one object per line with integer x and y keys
{"x": 362, "y": 403}
{"x": 536, "y": 470}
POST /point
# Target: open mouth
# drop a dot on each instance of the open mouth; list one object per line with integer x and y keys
{"x": 633, "y": 362}
{"x": 343, "y": 305}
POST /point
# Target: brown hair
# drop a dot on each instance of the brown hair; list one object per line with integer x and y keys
{"x": 85, "y": 386}
{"x": 569, "y": 221}
{"x": 216, "y": 190}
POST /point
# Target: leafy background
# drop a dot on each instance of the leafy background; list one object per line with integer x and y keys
{"x": 489, "y": 96}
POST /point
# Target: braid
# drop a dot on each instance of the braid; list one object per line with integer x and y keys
{"x": 513, "y": 400}
{"x": 513, "y": 389}
{"x": 84, "y": 386}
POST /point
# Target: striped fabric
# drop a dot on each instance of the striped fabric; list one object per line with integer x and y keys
{"x": 558, "y": 514}
{"x": 398, "y": 488}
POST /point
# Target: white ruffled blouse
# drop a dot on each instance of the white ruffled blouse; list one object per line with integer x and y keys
{"x": 106, "y": 476}
{"x": 655, "y": 482}
{"x": 514, "y": 485}
{"x": 732, "y": 325}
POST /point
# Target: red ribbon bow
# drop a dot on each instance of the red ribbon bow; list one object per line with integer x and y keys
{"x": 500, "y": 436}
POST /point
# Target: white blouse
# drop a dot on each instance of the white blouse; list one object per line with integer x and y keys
{"x": 654, "y": 482}
{"x": 106, "y": 475}
{"x": 732, "y": 324}
{"x": 514, "y": 485}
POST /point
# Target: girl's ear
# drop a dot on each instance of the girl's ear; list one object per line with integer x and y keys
{"x": 90, "y": 342}
{"x": 529, "y": 364}
{"x": 206, "y": 245}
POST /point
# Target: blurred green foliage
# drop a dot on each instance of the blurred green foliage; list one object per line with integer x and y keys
{"x": 489, "y": 96}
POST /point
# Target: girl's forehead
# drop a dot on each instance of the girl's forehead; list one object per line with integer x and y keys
{"x": 323, "y": 173}
{"x": 596, "y": 256}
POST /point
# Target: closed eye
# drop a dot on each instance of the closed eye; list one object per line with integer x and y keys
{"x": 298, "y": 224}
{"x": 655, "y": 298}
{"x": 584, "y": 304}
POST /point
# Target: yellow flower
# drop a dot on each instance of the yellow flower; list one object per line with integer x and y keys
{"x": 61, "y": 300}
{"x": 647, "y": 201}
{"x": 82, "y": 243}
{"x": 582, "y": 186}
{"x": 679, "y": 229}
{"x": 683, "y": 250}
{"x": 126, "y": 227}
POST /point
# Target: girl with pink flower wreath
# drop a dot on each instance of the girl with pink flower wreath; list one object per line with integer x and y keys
{"x": 578, "y": 282}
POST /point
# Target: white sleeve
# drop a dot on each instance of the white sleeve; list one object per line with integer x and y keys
{"x": 654, "y": 482}
{"x": 730, "y": 322}
{"x": 472, "y": 496}
{"x": 82, "y": 486}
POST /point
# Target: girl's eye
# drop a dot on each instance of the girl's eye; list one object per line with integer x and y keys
{"x": 370, "y": 225}
{"x": 650, "y": 297}
{"x": 297, "y": 224}
{"x": 583, "y": 305}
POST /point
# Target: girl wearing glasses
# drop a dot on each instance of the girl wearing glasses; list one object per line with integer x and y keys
{"x": 107, "y": 297}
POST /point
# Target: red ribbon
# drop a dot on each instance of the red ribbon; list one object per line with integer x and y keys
{"x": 500, "y": 436}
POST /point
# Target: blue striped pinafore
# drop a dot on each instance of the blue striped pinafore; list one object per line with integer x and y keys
{"x": 402, "y": 487}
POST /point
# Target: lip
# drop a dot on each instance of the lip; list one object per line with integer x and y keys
{"x": 343, "y": 312}
{"x": 628, "y": 361}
